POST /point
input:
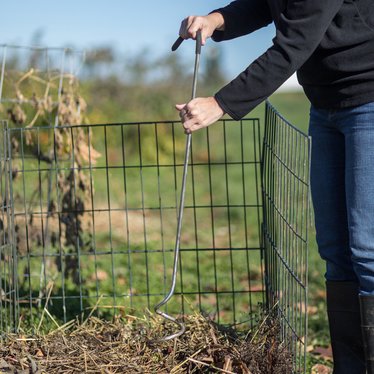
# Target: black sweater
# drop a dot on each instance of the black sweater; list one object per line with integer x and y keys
{"x": 330, "y": 43}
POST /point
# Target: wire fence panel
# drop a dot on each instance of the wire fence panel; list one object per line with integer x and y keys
{"x": 95, "y": 215}
{"x": 285, "y": 189}
{"x": 89, "y": 219}
{"x": 8, "y": 292}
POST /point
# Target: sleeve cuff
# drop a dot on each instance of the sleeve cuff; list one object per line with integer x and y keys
{"x": 225, "y": 108}
{"x": 219, "y": 36}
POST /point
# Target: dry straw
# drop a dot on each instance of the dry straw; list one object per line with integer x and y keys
{"x": 127, "y": 345}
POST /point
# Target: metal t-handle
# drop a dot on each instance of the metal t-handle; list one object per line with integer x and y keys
{"x": 181, "y": 325}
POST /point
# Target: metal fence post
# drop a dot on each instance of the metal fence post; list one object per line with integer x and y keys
{"x": 8, "y": 269}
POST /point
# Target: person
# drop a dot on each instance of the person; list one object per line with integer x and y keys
{"x": 330, "y": 44}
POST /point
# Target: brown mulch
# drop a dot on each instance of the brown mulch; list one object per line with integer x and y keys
{"x": 129, "y": 345}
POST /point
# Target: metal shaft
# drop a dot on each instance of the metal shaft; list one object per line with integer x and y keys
{"x": 181, "y": 326}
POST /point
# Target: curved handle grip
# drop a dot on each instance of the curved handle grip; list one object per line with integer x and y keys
{"x": 180, "y": 40}
{"x": 177, "y": 43}
{"x": 199, "y": 42}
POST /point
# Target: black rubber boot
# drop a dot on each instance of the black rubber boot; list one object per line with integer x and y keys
{"x": 343, "y": 310}
{"x": 367, "y": 323}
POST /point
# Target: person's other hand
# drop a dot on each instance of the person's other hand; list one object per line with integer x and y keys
{"x": 207, "y": 24}
{"x": 199, "y": 113}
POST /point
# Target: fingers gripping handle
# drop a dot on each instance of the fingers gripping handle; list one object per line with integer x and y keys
{"x": 180, "y": 40}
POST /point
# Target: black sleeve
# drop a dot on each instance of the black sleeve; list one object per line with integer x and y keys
{"x": 299, "y": 31}
{"x": 242, "y": 17}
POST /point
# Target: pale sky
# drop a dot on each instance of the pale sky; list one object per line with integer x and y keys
{"x": 128, "y": 26}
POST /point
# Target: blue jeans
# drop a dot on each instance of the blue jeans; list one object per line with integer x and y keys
{"x": 342, "y": 185}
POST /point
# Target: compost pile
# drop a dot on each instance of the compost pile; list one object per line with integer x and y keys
{"x": 128, "y": 345}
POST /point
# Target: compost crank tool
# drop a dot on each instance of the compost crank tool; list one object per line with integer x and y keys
{"x": 182, "y": 327}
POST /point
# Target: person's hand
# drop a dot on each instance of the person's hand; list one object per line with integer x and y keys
{"x": 207, "y": 24}
{"x": 198, "y": 113}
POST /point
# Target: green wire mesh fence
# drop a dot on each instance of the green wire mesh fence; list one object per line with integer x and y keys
{"x": 89, "y": 219}
{"x": 95, "y": 209}
{"x": 89, "y": 213}
{"x": 285, "y": 191}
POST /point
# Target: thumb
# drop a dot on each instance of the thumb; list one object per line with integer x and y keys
{"x": 180, "y": 106}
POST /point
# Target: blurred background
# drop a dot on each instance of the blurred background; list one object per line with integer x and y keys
{"x": 124, "y": 34}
